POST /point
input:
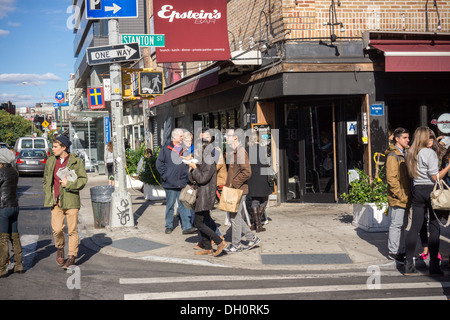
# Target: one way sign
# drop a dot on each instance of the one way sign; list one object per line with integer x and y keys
{"x": 110, "y": 54}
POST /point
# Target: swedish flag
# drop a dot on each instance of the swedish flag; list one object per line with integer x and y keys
{"x": 96, "y": 96}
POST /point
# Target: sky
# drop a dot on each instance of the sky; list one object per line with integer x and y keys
{"x": 36, "y": 47}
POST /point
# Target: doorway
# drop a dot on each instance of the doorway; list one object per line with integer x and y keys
{"x": 322, "y": 140}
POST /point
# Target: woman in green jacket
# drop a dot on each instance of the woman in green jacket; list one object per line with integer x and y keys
{"x": 62, "y": 194}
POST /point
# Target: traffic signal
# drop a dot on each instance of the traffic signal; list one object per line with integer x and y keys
{"x": 151, "y": 83}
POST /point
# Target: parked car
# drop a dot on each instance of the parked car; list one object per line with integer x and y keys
{"x": 31, "y": 161}
{"x": 31, "y": 143}
{"x": 4, "y": 145}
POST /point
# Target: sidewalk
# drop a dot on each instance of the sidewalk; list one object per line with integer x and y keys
{"x": 298, "y": 237}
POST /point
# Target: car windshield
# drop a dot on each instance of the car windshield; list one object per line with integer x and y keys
{"x": 32, "y": 153}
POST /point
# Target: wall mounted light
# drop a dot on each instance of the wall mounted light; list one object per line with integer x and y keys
{"x": 333, "y": 20}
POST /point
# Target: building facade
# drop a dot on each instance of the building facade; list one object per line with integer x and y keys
{"x": 333, "y": 79}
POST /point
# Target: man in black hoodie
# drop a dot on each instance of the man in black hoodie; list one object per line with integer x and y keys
{"x": 174, "y": 175}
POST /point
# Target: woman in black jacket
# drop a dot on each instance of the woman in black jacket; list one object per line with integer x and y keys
{"x": 9, "y": 212}
{"x": 258, "y": 184}
{"x": 204, "y": 176}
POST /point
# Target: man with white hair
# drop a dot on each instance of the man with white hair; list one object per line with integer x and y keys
{"x": 174, "y": 176}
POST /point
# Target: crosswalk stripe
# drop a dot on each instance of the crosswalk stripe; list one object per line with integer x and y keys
{"x": 278, "y": 291}
{"x": 252, "y": 278}
{"x": 29, "y": 243}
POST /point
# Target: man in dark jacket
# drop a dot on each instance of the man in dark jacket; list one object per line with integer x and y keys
{"x": 174, "y": 175}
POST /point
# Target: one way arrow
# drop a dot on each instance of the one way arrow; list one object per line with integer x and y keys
{"x": 114, "y": 8}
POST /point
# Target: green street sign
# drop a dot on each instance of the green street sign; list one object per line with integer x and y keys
{"x": 145, "y": 40}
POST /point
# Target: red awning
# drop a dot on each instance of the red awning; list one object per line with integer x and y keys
{"x": 414, "y": 55}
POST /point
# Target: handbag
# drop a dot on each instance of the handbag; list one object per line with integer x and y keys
{"x": 188, "y": 196}
{"x": 230, "y": 199}
{"x": 440, "y": 198}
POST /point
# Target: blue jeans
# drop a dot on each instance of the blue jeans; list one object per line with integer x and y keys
{"x": 185, "y": 214}
{"x": 8, "y": 220}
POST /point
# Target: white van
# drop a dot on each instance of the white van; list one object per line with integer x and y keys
{"x": 31, "y": 143}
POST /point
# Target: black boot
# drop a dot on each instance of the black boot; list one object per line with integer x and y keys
{"x": 410, "y": 269}
{"x": 435, "y": 269}
{"x": 255, "y": 217}
{"x": 259, "y": 227}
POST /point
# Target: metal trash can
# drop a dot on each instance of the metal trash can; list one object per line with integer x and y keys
{"x": 101, "y": 205}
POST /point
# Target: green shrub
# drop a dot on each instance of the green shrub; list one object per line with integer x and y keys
{"x": 365, "y": 191}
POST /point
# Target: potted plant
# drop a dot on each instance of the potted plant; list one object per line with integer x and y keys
{"x": 151, "y": 178}
{"x": 369, "y": 199}
{"x": 133, "y": 157}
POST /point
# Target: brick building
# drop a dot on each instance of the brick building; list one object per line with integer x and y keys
{"x": 334, "y": 77}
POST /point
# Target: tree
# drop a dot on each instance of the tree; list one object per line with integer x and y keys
{"x": 13, "y": 127}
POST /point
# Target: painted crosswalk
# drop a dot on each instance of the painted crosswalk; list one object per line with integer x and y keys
{"x": 254, "y": 288}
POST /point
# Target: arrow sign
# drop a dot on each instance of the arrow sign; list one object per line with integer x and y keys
{"x": 110, "y": 54}
{"x": 107, "y": 9}
{"x": 115, "y": 8}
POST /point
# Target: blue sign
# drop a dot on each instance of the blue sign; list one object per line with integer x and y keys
{"x": 376, "y": 109}
{"x": 107, "y": 129}
{"x": 59, "y": 96}
{"x": 109, "y": 9}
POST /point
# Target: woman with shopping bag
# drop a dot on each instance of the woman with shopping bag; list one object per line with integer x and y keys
{"x": 204, "y": 176}
{"x": 422, "y": 162}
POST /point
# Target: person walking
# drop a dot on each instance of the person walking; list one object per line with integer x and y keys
{"x": 9, "y": 213}
{"x": 174, "y": 176}
{"x": 204, "y": 176}
{"x": 239, "y": 171}
{"x": 63, "y": 197}
{"x": 258, "y": 184}
{"x": 422, "y": 162}
{"x": 109, "y": 162}
{"x": 398, "y": 193}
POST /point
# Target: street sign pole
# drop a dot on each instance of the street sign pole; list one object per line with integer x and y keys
{"x": 121, "y": 214}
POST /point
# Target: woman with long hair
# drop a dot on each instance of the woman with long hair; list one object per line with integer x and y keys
{"x": 423, "y": 167}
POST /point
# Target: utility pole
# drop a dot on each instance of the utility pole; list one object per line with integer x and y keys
{"x": 121, "y": 206}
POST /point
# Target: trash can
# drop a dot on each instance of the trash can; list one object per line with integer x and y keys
{"x": 101, "y": 205}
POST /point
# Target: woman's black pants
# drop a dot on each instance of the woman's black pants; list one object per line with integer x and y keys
{"x": 206, "y": 232}
{"x": 421, "y": 204}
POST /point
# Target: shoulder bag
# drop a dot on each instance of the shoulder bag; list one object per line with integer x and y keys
{"x": 440, "y": 198}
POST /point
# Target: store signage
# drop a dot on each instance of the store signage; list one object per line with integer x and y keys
{"x": 443, "y": 122}
{"x": 95, "y": 98}
{"x": 376, "y": 109}
{"x": 204, "y": 35}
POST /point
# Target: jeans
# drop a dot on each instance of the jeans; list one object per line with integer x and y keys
{"x": 8, "y": 220}
{"x": 239, "y": 226}
{"x": 396, "y": 237}
{"x": 421, "y": 204}
{"x": 173, "y": 196}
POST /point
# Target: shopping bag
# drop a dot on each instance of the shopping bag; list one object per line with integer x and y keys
{"x": 188, "y": 196}
{"x": 230, "y": 199}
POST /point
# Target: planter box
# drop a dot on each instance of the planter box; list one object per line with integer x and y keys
{"x": 154, "y": 192}
{"x": 132, "y": 182}
{"x": 368, "y": 218}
